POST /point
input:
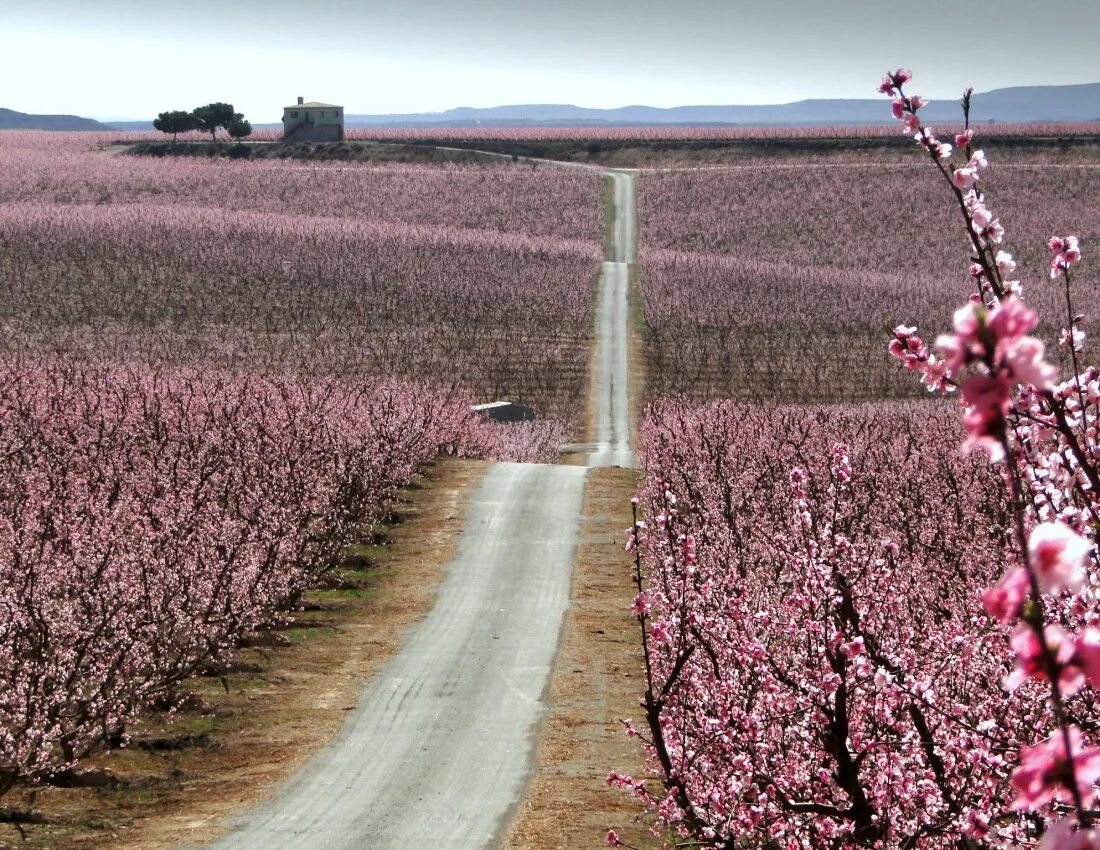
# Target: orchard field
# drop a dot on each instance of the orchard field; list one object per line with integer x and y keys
{"x": 409, "y": 272}
{"x": 216, "y": 377}
{"x": 863, "y": 546}
{"x": 867, "y": 613}
{"x": 779, "y": 281}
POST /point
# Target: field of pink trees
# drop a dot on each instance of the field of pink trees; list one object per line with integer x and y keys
{"x": 817, "y": 643}
{"x": 777, "y": 281}
{"x": 477, "y": 276}
{"x": 152, "y": 518}
{"x": 67, "y": 169}
{"x": 875, "y": 625}
{"x": 215, "y": 376}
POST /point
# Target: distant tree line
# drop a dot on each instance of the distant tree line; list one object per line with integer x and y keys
{"x": 205, "y": 118}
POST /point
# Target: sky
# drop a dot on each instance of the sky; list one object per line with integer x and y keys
{"x": 119, "y": 59}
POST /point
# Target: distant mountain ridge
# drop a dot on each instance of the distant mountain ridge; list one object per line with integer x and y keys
{"x": 12, "y": 120}
{"x": 1021, "y": 104}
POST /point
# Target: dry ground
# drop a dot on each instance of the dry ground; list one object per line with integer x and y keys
{"x": 182, "y": 778}
{"x": 596, "y": 683}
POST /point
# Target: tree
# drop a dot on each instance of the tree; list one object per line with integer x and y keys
{"x": 862, "y": 655}
{"x": 239, "y": 128}
{"x": 175, "y": 121}
{"x": 212, "y": 116}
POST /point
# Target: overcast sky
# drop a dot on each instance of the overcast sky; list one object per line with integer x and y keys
{"x": 134, "y": 58}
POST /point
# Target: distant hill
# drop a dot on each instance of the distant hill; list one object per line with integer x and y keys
{"x": 1021, "y": 104}
{"x": 1018, "y": 105}
{"x": 12, "y": 120}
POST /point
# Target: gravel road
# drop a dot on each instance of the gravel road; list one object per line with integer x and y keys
{"x": 612, "y": 321}
{"x": 438, "y": 749}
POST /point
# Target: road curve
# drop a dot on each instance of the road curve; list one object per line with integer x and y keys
{"x": 439, "y": 747}
{"x": 438, "y": 750}
{"x": 613, "y": 414}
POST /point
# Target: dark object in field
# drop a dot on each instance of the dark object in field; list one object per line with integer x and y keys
{"x": 93, "y": 778}
{"x": 505, "y": 411}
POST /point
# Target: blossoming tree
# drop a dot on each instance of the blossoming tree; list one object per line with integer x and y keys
{"x": 855, "y": 634}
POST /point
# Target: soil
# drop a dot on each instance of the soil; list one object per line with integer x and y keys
{"x": 596, "y": 684}
{"x": 182, "y": 775}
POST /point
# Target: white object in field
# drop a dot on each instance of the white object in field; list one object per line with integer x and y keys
{"x": 505, "y": 411}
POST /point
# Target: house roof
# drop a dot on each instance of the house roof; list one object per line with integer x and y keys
{"x": 314, "y": 103}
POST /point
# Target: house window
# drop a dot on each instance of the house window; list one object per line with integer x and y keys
{"x": 322, "y": 113}
{"x": 293, "y": 114}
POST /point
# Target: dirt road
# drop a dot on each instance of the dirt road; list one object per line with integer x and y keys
{"x": 612, "y": 346}
{"x": 439, "y": 745}
{"x": 439, "y": 748}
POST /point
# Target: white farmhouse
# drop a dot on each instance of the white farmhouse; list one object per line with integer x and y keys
{"x": 313, "y": 122}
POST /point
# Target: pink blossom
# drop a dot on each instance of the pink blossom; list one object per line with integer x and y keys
{"x": 1086, "y": 655}
{"x": 965, "y": 138}
{"x": 982, "y": 218}
{"x": 1011, "y": 319}
{"x": 891, "y": 82}
{"x": 1039, "y": 777}
{"x": 1004, "y": 600}
{"x": 1031, "y": 660}
{"x": 1076, "y": 339}
{"x": 1025, "y": 359}
{"x": 1065, "y": 252}
{"x": 988, "y": 398}
{"x": 958, "y": 349}
{"x": 964, "y": 177}
{"x": 936, "y": 377}
{"x": 953, "y": 351}
{"x": 1063, "y": 834}
{"x": 1057, "y": 555}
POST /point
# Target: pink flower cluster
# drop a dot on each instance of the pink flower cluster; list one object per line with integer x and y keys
{"x": 857, "y": 635}
{"x": 911, "y": 350}
{"x": 1064, "y": 253}
{"x": 1016, "y": 409}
